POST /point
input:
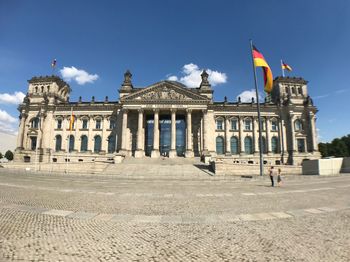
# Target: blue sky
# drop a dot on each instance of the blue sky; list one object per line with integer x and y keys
{"x": 156, "y": 39}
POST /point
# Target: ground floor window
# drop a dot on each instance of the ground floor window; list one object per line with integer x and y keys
{"x": 220, "y": 145}
{"x": 248, "y": 145}
{"x": 111, "y": 144}
{"x": 33, "y": 142}
{"x": 58, "y": 146}
{"x": 234, "y": 145}
{"x": 84, "y": 143}
{"x": 97, "y": 146}
{"x": 301, "y": 145}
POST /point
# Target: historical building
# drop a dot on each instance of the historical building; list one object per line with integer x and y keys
{"x": 165, "y": 119}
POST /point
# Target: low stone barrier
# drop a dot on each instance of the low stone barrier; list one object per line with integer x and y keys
{"x": 223, "y": 167}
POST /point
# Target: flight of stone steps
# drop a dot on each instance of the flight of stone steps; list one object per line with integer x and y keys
{"x": 160, "y": 168}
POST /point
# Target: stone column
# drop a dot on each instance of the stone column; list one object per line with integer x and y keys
{"x": 124, "y": 132}
{"x": 256, "y": 135}
{"x": 189, "y": 148}
{"x": 90, "y": 147}
{"x": 172, "y": 152}
{"x": 155, "y": 150}
{"x": 268, "y": 136}
{"x": 227, "y": 136}
{"x": 65, "y": 126}
{"x": 284, "y": 135}
{"x": 293, "y": 142}
{"x": 20, "y": 136}
{"x": 139, "y": 151}
{"x": 313, "y": 131}
{"x": 205, "y": 133}
{"x": 104, "y": 138}
{"x": 241, "y": 138}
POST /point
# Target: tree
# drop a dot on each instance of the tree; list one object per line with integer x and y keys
{"x": 339, "y": 147}
{"x": 9, "y": 155}
{"x": 1, "y": 156}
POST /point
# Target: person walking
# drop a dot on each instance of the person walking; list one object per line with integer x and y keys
{"x": 271, "y": 173}
{"x": 279, "y": 178}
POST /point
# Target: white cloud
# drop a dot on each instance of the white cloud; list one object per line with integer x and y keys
{"x": 192, "y": 76}
{"x": 80, "y": 76}
{"x": 15, "y": 98}
{"x": 246, "y": 96}
{"x": 7, "y": 123}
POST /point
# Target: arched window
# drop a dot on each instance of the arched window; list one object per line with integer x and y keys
{"x": 111, "y": 144}
{"x": 293, "y": 90}
{"x": 84, "y": 143}
{"x": 71, "y": 143}
{"x": 234, "y": 124}
{"x": 298, "y": 125}
{"x": 274, "y": 145}
{"x": 220, "y": 145}
{"x": 248, "y": 145}
{"x": 35, "y": 123}
{"x": 300, "y": 90}
{"x": 219, "y": 124}
{"x": 58, "y": 146}
{"x": 264, "y": 145}
{"x": 234, "y": 145}
{"x": 247, "y": 124}
{"x": 97, "y": 146}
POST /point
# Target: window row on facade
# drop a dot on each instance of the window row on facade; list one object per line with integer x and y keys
{"x": 247, "y": 124}
{"x": 83, "y": 123}
{"x": 84, "y": 144}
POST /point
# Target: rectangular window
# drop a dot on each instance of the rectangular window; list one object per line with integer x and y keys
{"x": 274, "y": 126}
{"x": 248, "y": 125}
{"x": 234, "y": 124}
{"x": 112, "y": 124}
{"x": 59, "y": 123}
{"x": 85, "y": 124}
{"x": 301, "y": 145}
{"x": 98, "y": 124}
{"x": 219, "y": 125}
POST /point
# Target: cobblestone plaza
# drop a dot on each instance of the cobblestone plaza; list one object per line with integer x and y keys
{"x": 46, "y": 217}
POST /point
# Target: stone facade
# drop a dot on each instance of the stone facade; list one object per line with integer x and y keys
{"x": 166, "y": 118}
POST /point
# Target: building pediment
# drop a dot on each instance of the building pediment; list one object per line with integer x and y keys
{"x": 165, "y": 91}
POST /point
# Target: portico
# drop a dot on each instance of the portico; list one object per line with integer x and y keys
{"x": 159, "y": 132}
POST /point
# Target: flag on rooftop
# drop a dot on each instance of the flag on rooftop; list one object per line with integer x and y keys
{"x": 286, "y": 66}
{"x": 53, "y": 63}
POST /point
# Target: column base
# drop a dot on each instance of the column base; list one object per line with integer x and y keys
{"x": 139, "y": 153}
{"x": 155, "y": 154}
{"x": 189, "y": 153}
{"x": 172, "y": 153}
{"x": 124, "y": 152}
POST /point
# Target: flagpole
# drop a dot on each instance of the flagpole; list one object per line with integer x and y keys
{"x": 258, "y": 107}
{"x": 282, "y": 68}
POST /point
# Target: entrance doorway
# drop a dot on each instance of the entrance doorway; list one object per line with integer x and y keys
{"x": 165, "y": 135}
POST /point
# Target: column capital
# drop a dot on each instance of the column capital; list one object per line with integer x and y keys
{"x": 173, "y": 110}
{"x": 125, "y": 110}
{"x": 156, "y": 110}
{"x": 204, "y": 111}
{"x": 140, "y": 110}
{"x": 189, "y": 110}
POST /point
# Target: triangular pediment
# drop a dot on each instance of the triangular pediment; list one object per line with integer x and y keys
{"x": 165, "y": 91}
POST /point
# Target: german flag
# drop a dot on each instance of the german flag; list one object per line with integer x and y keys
{"x": 71, "y": 122}
{"x": 286, "y": 67}
{"x": 259, "y": 61}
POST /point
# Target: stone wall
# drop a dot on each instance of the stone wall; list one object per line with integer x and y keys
{"x": 223, "y": 167}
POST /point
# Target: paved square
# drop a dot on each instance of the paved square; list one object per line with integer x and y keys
{"x": 101, "y": 218}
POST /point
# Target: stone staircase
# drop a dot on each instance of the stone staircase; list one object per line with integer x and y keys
{"x": 164, "y": 168}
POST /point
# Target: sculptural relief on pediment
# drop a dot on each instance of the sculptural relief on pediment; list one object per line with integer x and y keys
{"x": 164, "y": 93}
